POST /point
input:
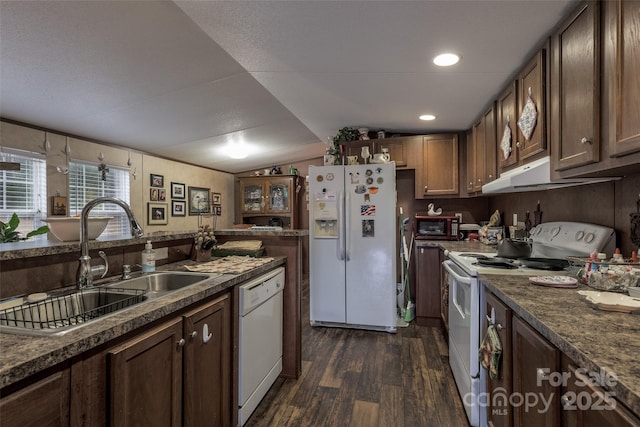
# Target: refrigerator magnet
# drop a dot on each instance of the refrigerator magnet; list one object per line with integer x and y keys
{"x": 379, "y": 170}
{"x": 367, "y": 198}
{"x": 319, "y": 178}
{"x": 361, "y": 189}
{"x": 369, "y": 181}
{"x": 369, "y": 172}
{"x": 367, "y": 210}
{"x": 329, "y": 176}
{"x": 355, "y": 177}
{"x": 368, "y": 228}
{"x": 380, "y": 180}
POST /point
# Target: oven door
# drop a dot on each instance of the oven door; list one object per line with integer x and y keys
{"x": 464, "y": 337}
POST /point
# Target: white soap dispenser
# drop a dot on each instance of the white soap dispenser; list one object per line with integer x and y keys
{"x": 148, "y": 258}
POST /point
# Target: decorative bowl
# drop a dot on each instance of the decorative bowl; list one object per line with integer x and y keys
{"x": 67, "y": 229}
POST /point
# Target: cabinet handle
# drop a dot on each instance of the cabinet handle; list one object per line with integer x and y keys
{"x": 490, "y": 176}
{"x": 194, "y": 334}
{"x": 566, "y": 402}
{"x": 479, "y": 180}
{"x": 181, "y": 343}
{"x": 586, "y": 140}
{"x": 518, "y": 144}
{"x": 426, "y": 187}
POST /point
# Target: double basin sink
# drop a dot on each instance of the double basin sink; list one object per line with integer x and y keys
{"x": 60, "y": 313}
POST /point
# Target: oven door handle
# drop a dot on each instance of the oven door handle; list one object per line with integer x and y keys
{"x": 456, "y": 283}
{"x": 456, "y": 272}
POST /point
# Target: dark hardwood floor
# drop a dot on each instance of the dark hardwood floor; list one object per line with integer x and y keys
{"x": 363, "y": 378}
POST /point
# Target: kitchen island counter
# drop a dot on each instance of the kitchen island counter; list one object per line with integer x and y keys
{"x": 598, "y": 341}
{"x": 25, "y": 355}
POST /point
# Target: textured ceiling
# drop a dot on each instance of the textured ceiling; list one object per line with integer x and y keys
{"x": 182, "y": 79}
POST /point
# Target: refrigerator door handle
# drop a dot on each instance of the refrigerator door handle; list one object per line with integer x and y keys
{"x": 347, "y": 215}
{"x": 339, "y": 242}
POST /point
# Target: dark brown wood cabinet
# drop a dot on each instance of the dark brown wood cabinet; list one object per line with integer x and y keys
{"x": 499, "y": 413}
{"x": 42, "y": 403}
{"x": 575, "y": 79}
{"x": 270, "y": 196}
{"x": 145, "y": 378}
{"x": 534, "y": 359}
{"x": 444, "y": 293}
{"x": 507, "y": 116}
{"x": 483, "y": 168}
{"x": 427, "y": 299}
{"x": 471, "y": 162}
{"x": 585, "y": 403}
{"x": 396, "y": 147}
{"x": 207, "y": 365}
{"x": 625, "y": 110}
{"x": 178, "y": 373}
{"x": 438, "y": 173}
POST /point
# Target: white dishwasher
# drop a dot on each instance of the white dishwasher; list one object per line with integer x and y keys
{"x": 260, "y": 343}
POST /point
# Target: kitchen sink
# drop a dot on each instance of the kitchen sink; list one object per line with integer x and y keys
{"x": 158, "y": 283}
{"x": 59, "y": 313}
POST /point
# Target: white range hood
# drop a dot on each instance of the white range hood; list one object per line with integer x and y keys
{"x": 534, "y": 176}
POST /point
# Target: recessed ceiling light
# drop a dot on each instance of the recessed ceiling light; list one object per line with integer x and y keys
{"x": 446, "y": 59}
{"x": 427, "y": 117}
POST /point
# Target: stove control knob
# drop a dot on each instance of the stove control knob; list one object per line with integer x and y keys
{"x": 555, "y": 231}
{"x": 446, "y": 252}
{"x": 589, "y": 237}
{"x": 579, "y": 235}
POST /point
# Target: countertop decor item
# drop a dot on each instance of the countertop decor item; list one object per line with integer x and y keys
{"x": 610, "y": 301}
{"x": 555, "y": 281}
{"x": 67, "y": 229}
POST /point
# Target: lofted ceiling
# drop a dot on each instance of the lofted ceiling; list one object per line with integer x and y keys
{"x": 183, "y": 79}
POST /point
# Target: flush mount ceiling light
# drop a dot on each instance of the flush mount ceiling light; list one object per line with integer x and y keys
{"x": 427, "y": 117}
{"x": 446, "y": 59}
{"x": 237, "y": 150}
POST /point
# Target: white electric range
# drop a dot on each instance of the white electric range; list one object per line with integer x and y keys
{"x": 552, "y": 240}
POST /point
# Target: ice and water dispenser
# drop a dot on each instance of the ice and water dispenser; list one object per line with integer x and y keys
{"x": 325, "y": 215}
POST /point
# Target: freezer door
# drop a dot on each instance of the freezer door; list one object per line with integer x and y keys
{"x": 371, "y": 224}
{"x": 326, "y": 255}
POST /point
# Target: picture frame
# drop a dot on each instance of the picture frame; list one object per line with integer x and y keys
{"x": 178, "y": 190}
{"x": 58, "y": 205}
{"x": 178, "y": 208}
{"x": 218, "y": 210}
{"x": 162, "y": 194}
{"x": 199, "y": 200}
{"x": 216, "y": 199}
{"x": 156, "y": 180}
{"x": 153, "y": 194}
{"x": 157, "y": 213}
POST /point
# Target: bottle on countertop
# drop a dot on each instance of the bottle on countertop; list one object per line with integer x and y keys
{"x": 148, "y": 258}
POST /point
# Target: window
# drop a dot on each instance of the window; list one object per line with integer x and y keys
{"x": 85, "y": 184}
{"x": 24, "y": 191}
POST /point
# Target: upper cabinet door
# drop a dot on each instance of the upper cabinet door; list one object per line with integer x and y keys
{"x": 575, "y": 80}
{"x": 531, "y": 83}
{"x": 279, "y": 195}
{"x": 507, "y": 112}
{"x": 252, "y": 196}
{"x": 440, "y": 166}
{"x": 490, "y": 162}
{"x": 626, "y": 109}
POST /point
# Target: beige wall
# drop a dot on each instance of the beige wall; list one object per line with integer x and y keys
{"x": 142, "y": 165}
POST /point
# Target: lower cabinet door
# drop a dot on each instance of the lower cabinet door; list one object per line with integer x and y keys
{"x": 535, "y": 397}
{"x": 207, "y": 365}
{"x": 145, "y": 378}
{"x": 499, "y": 414}
{"x": 43, "y": 403}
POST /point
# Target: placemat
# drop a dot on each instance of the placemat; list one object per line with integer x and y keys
{"x": 230, "y": 265}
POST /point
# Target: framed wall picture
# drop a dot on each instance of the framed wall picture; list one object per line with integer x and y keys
{"x": 216, "y": 198}
{"x": 178, "y": 208}
{"x": 162, "y": 194}
{"x": 156, "y": 213}
{"x": 177, "y": 190}
{"x": 199, "y": 201}
{"x": 59, "y": 205}
{"x": 157, "y": 180}
{"x": 218, "y": 210}
{"x": 153, "y": 194}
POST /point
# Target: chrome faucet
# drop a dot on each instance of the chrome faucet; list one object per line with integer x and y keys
{"x": 85, "y": 273}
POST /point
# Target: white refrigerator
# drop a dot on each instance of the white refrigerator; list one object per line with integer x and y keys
{"x": 352, "y": 246}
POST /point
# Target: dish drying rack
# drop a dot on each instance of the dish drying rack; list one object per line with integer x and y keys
{"x": 606, "y": 276}
{"x": 69, "y": 309}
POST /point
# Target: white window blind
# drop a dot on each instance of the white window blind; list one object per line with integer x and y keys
{"x": 86, "y": 184}
{"x": 24, "y": 192}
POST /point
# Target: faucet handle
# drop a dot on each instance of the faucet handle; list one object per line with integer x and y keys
{"x": 99, "y": 268}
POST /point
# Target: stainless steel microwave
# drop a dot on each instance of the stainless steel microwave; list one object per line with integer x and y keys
{"x": 437, "y": 227}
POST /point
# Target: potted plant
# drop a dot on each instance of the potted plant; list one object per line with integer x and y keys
{"x": 345, "y": 134}
{"x": 9, "y": 234}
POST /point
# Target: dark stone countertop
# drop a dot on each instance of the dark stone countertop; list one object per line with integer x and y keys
{"x": 261, "y": 233}
{"x": 24, "y": 355}
{"x": 592, "y": 338}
